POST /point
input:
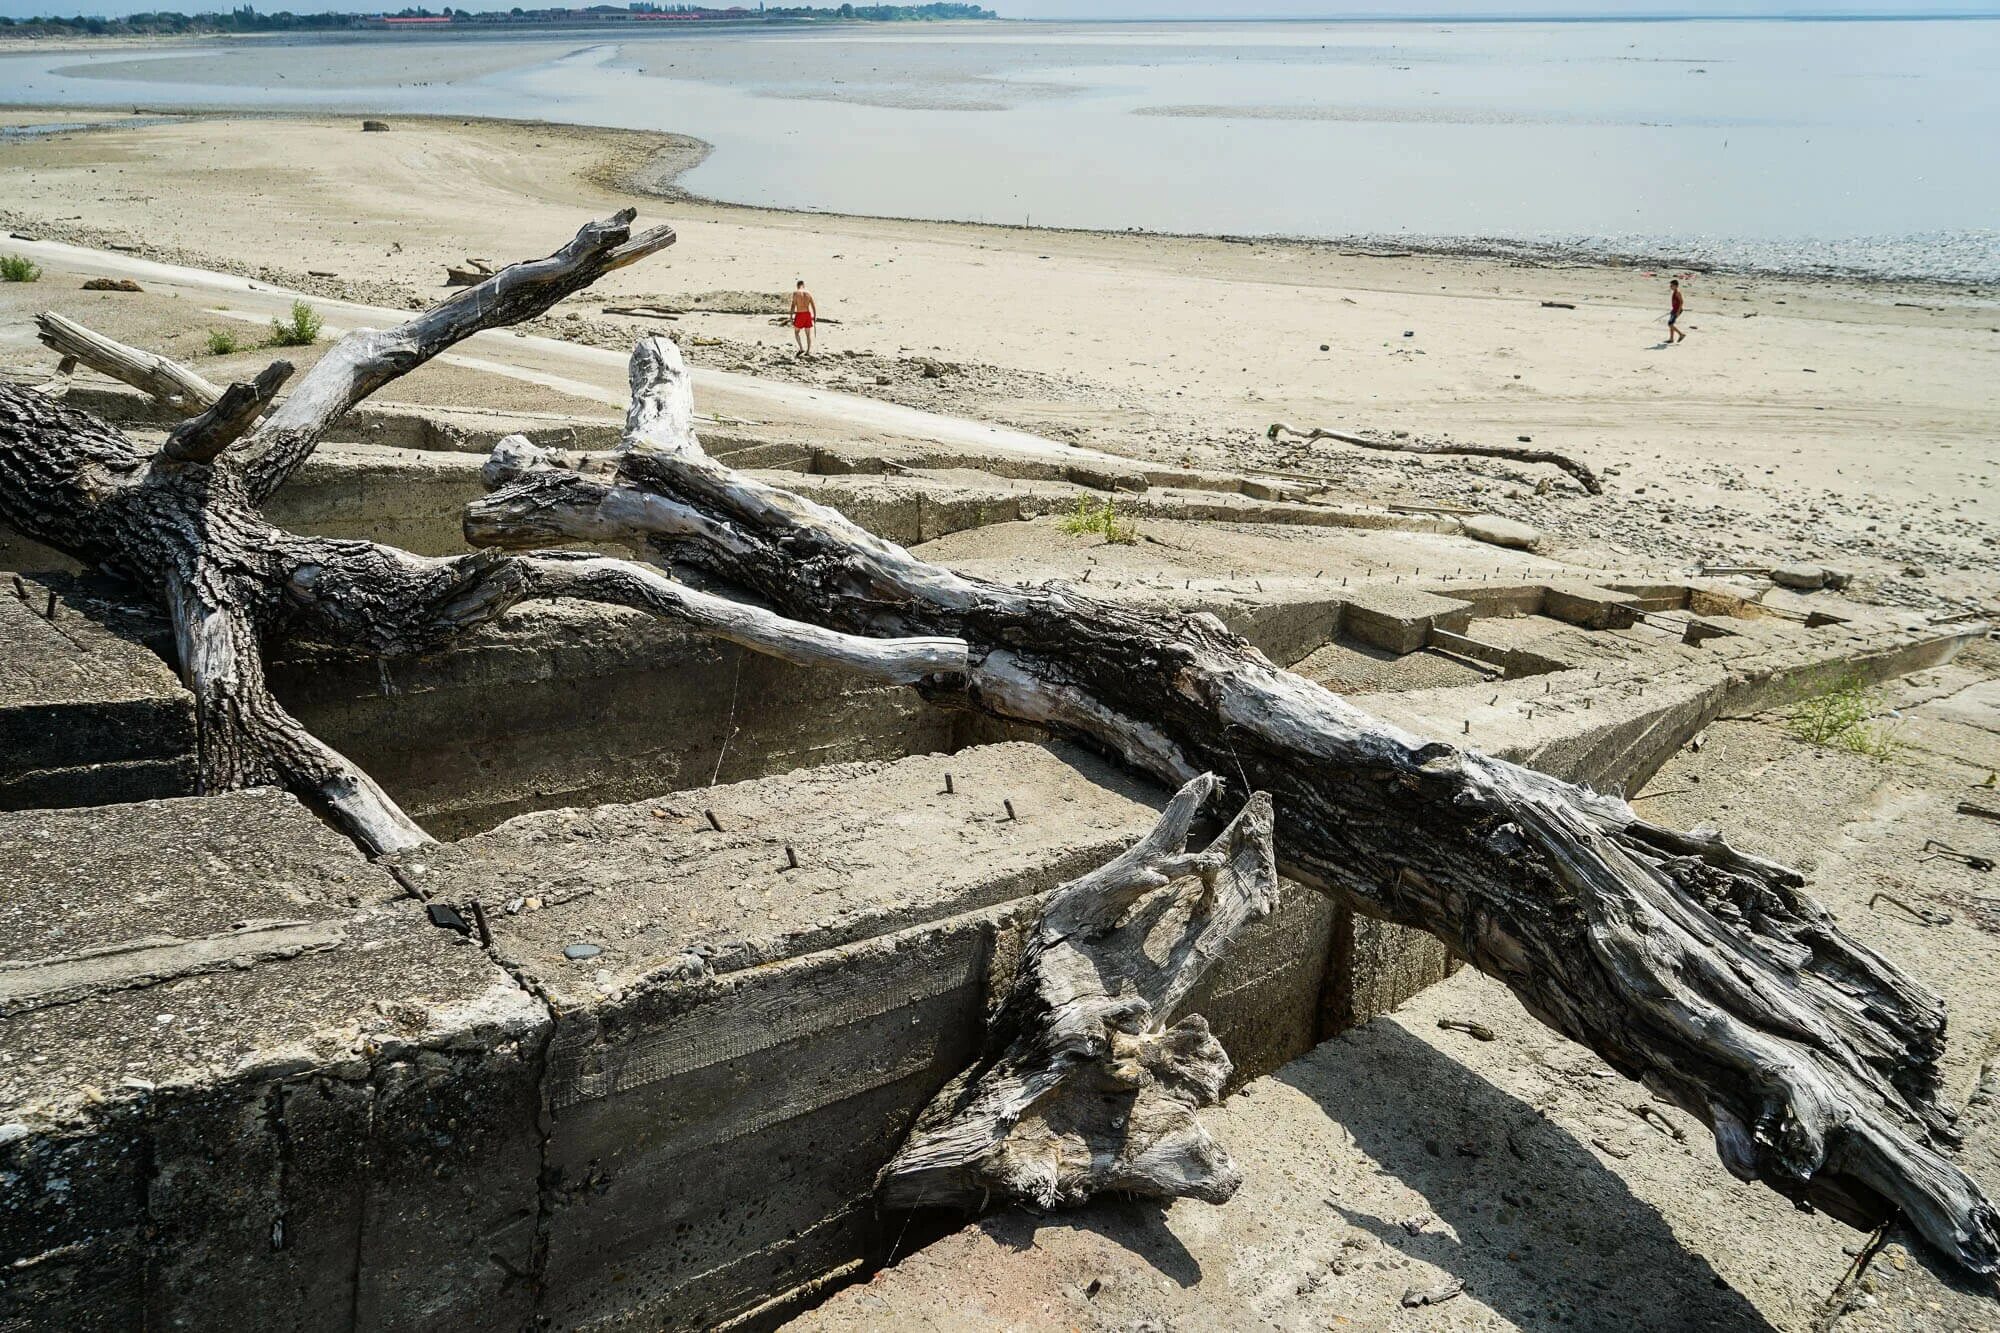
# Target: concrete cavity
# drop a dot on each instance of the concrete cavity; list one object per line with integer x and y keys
{"x": 660, "y": 1096}
{"x": 715, "y": 928}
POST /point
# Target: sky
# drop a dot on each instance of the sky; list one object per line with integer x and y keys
{"x": 1136, "y": 9}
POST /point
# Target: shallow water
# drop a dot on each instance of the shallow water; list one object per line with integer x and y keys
{"x": 1840, "y": 145}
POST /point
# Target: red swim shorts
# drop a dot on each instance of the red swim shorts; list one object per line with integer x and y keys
{"x": 802, "y": 319}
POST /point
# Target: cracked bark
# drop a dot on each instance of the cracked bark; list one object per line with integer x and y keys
{"x": 1083, "y": 1088}
{"x": 182, "y": 525}
{"x": 1706, "y": 973}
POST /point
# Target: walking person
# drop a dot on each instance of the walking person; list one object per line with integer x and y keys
{"x": 805, "y": 314}
{"x": 1675, "y": 333}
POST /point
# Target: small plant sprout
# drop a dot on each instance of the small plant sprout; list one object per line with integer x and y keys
{"x": 301, "y": 329}
{"x": 1100, "y": 518}
{"x": 1844, "y": 719}
{"x": 221, "y": 342}
{"x": 19, "y": 268}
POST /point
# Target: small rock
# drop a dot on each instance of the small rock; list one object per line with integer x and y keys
{"x": 112, "y": 285}
{"x": 1326, "y": 347}
{"x": 576, "y": 953}
{"x": 1805, "y": 578}
{"x": 1497, "y": 531}
{"x": 1437, "y": 1295}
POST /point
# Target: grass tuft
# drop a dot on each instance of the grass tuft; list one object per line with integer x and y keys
{"x": 221, "y": 342}
{"x": 1845, "y": 719}
{"x": 300, "y": 330}
{"x": 1100, "y": 518}
{"x": 19, "y": 268}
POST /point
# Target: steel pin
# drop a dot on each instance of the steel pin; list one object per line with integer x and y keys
{"x": 713, "y": 822}
{"x": 1010, "y": 809}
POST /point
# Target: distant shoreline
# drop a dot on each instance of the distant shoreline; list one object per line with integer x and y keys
{"x": 667, "y": 157}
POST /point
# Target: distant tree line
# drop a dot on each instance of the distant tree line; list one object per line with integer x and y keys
{"x": 247, "y": 19}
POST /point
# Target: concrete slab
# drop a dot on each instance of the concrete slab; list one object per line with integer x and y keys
{"x": 88, "y": 713}
{"x": 242, "y": 1075}
{"x": 1398, "y": 617}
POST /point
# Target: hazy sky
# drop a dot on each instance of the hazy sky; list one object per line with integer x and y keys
{"x": 1129, "y": 9}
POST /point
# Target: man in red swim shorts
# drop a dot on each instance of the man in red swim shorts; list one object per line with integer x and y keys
{"x": 804, "y": 314}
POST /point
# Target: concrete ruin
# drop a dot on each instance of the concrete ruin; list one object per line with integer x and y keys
{"x": 630, "y": 1049}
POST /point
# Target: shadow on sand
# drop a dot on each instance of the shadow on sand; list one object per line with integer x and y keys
{"x": 1539, "y": 1229}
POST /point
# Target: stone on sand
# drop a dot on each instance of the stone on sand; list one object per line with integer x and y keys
{"x": 1497, "y": 531}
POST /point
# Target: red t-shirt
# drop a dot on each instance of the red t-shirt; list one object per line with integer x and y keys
{"x": 1677, "y": 298}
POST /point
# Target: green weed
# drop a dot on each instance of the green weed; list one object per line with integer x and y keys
{"x": 300, "y": 330}
{"x": 19, "y": 268}
{"x": 221, "y": 342}
{"x": 1844, "y": 719}
{"x": 1100, "y": 518}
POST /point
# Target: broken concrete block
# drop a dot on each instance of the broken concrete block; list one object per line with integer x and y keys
{"x": 1805, "y": 578}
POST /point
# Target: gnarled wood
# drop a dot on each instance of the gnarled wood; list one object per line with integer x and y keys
{"x": 367, "y": 359}
{"x": 170, "y": 382}
{"x": 200, "y": 438}
{"x": 1708, "y": 974}
{"x": 182, "y": 524}
{"x": 1585, "y": 477}
{"x": 1083, "y": 1089}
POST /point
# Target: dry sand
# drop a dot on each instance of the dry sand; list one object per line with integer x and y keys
{"x": 1856, "y": 424}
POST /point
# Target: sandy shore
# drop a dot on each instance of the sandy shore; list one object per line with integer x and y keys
{"x": 1851, "y": 423}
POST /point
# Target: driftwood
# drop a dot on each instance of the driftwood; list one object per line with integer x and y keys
{"x": 472, "y": 274}
{"x": 1585, "y": 477}
{"x": 169, "y": 382}
{"x": 182, "y": 525}
{"x": 1707, "y": 973}
{"x": 1083, "y": 1088}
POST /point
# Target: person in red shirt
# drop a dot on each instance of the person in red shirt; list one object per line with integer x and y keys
{"x": 1675, "y": 333}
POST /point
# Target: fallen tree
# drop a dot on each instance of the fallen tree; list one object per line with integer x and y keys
{"x": 181, "y": 524}
{"x": 1585, "y": 476}
{"x": 1705, "y": 972}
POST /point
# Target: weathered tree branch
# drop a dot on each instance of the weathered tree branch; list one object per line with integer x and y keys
{"x": 182, "y": 525}
{"x": 1708, "y": 974}
{"x": 170, "y": 382}
{"x": 1083, "y": 1088}
{"x": 200, "y": 438}
{"x": 1584, "y": 475}
{"x": 366, "y": 359}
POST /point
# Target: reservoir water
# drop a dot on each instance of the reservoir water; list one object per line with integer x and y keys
{"x": 1861, "y": 146}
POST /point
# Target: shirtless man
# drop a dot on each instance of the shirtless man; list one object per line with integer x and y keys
{"x": 804, "y": 315}
{"x": 1675, "y": 333}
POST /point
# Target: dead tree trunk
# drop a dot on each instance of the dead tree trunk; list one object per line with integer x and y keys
{"x": 1706, "y": 973}
{"x": 1083, "y": 1088}
{"x": 1585, "y": 477}
{"x": 182, "y": 525}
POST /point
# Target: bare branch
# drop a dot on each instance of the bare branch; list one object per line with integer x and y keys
{"x": 246, "y": 738}
{"x": 168, "y": 381}
{"x": 202, "y": 438}
{"x": 624, "y": 583}
{"x": 1584, "y": 475}
{"x": 367, "y": 359}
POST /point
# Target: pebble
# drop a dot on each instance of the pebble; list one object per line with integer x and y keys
{"x": 576, "y": 953}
